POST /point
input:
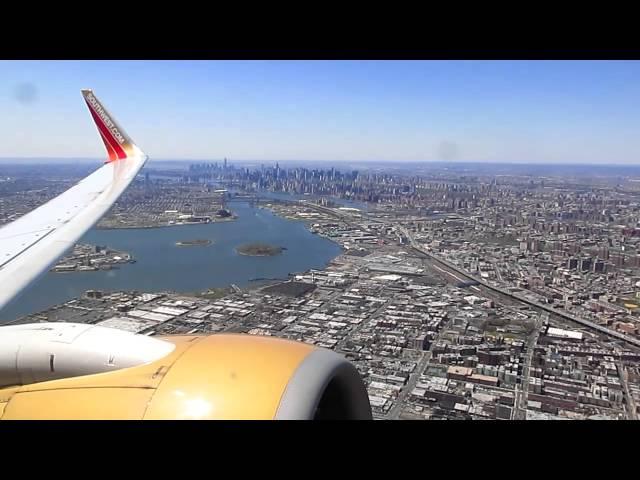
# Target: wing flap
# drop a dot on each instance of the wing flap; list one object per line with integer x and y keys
{"x": 15, "y": 245}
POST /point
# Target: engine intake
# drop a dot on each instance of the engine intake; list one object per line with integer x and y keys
{"x": 325, "y": 387}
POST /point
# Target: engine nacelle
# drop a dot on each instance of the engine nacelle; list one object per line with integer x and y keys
{"x": 223, "y": 376}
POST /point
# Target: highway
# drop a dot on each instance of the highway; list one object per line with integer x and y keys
{"x": 565, "y": 315}
{"x": 521, "y": 400}
{"x": 630, "y": 404}
{"x": 400, "y": 402}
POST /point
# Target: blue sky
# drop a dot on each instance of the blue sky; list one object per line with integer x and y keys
{"x": 486, "y": 111}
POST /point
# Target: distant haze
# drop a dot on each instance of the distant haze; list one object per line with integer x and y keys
{"x": 570, "y": 112}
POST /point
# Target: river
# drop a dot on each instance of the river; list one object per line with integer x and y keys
{"x": 161, "y": 265}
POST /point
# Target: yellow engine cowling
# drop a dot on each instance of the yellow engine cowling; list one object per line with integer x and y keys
{"x": 226, "y": 376}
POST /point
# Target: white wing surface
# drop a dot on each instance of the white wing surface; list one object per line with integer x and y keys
{"x": 31, "y": 245}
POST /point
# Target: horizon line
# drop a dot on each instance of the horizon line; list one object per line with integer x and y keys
{"x": 165, "y": 159}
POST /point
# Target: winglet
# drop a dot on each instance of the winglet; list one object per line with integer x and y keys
{"x": 118, "y": 144}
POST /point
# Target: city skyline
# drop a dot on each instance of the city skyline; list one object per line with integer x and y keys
{"x": 569, "y": 112}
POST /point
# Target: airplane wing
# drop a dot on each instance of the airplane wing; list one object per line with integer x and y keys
{"x": 31, "y": 245}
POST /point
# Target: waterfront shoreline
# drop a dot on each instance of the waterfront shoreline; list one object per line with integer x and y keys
{"x": 156, "y": 249}
{"x": 306, "y": 222}
{"x": 147, "y": 227}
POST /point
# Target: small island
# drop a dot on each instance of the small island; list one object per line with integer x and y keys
{"x": 193, "y": 243}
{"x": 259, "y": 250}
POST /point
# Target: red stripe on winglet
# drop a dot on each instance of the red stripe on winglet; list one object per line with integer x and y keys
{"x": 106, "y": 134}
{"x": 110, "y": 151}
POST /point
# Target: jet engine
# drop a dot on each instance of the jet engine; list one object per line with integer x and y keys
{"x": 77, "y": 371}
